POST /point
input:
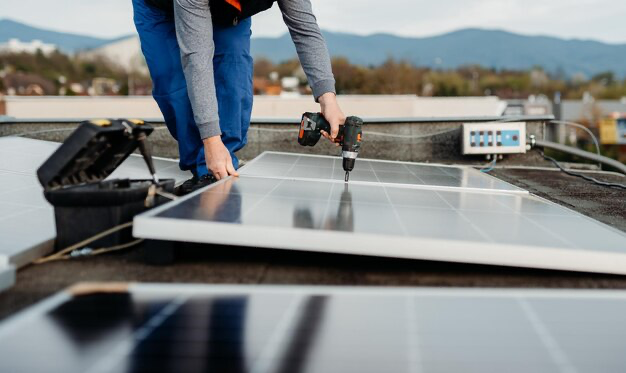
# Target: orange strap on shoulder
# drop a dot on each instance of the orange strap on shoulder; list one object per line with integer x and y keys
{"x": 235, "y": 3}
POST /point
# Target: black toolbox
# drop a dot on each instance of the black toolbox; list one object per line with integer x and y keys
{"x": 73, "y": 180}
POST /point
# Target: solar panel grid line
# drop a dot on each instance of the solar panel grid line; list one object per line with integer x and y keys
{"x": 467, "y": 220}
{"x": 541, "y": 227}
{"x": 391, "y": 185}
{"x": 258, "y": 167}
{"x": 373, "y": 160}
{"x": 580, "y": 215}
{"x": 395, "y": 211}
{"x": 263, "y": 198}
{"x": 557, "y": 354}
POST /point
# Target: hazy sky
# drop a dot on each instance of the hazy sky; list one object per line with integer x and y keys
{"x": 588, "y": 19}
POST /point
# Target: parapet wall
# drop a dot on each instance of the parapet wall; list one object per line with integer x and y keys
{"x": 417, "y": 140}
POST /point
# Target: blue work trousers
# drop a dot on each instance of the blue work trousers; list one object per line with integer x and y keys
{"x": 233, "y": 69}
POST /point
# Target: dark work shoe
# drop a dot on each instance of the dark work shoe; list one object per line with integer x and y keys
{"x": 187, "y": 186}
{"x": 204, "y": 181}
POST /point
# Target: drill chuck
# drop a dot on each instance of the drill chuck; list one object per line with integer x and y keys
{"x": 349, "y": 159}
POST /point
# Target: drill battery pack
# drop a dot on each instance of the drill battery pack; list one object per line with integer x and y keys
{"x": 85, "y": 204}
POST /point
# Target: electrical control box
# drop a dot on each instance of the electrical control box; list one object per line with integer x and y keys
{"x": 494, "y": 138}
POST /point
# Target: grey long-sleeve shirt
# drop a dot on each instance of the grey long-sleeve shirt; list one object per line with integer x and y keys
{"x": 194, "y": 30}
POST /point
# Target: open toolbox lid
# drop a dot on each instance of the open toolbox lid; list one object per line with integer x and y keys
{"x": 92, "y": 152}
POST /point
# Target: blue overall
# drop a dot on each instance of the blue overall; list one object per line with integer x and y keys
{"x": 233, "y": 69}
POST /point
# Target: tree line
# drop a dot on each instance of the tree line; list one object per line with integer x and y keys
{"x": 401, "y": 77}
{"x": 391, "y": 77}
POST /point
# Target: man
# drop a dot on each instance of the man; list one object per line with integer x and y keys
{"x": 198, "y": 54}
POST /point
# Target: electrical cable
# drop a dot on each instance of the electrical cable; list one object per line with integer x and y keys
{"x": 75, "y": 252}
{"x": 365, "y": 133}
{"x": 60, "y": 254}
{"x": 582, "y": 153}
{"x": 577, "y": 125}
{"x": 392, "y": 135}
{"x": 290, "y": 130}
{"x": 87, "y": 252}
{"x": 167, "y": 195}
{"x": 276, "y": 130}
{"x": 588, "y": 178}
{"x": 580, "y": 126}
{"x": 116, "y": 248}
{"x": 491, "y": 165}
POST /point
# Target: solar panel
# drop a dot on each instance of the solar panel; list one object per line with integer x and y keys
{"x": 389, "y": 220}
{"x": 27, "y": 227}
{"x": 187, "y": 328}
{"x": 418, "y": 175}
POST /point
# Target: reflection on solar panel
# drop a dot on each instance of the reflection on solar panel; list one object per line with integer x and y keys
{"x": 389, "y": 220}
{"x": 27, "y": 229}
{"x": 419, "y": 175}
{"x": 186, "y": 328}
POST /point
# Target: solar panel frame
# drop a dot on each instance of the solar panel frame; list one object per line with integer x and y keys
{"x": 504, "y": 253}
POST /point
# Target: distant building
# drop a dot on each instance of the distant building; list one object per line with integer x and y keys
{"x": 17, "y": 46}
{"x": 26, "y": 84}
{"x": 125, "y": 53}
{"x": 590, "y": 111}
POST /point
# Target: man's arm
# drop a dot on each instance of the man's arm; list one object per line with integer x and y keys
{"x": 312, "y": 51}
{"x": 314, "y": 58}
{"x": 194, "y": 31}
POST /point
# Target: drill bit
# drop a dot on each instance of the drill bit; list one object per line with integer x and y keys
{"x": 347, "y": 176}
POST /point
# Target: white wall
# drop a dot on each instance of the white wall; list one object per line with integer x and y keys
{"x": 265, "y": 107}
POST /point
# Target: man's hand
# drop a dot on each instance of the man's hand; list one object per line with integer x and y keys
{"x": 333, "y": 114}
{"x": 218, "y": 159}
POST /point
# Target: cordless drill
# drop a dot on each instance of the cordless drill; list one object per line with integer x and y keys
{"x": 349, "y": 137}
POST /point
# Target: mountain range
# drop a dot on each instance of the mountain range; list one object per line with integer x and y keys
{"x": 66, "y": 42}
{"x": 489, "y": 48}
